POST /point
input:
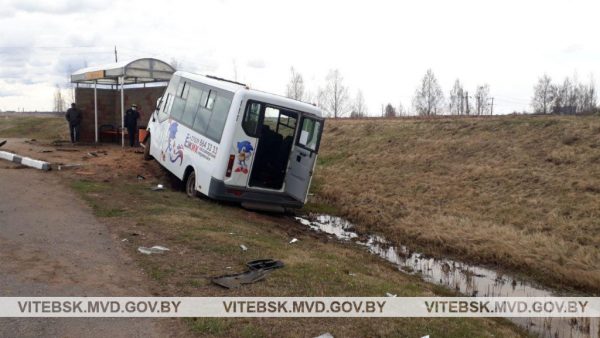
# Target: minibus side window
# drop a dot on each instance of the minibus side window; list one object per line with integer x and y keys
{"x": 166, "y": 107}
{"x": 202, "y": 118}
{"x": 177, "y": 108}
{"x": 180, "y": 88}
{"x": 309, "y": 135}
{"x": 211, "y": 100}
{"x": 251, "y": 118}
{"x": 218, "y": 118}
{"x": 191, "y": 105}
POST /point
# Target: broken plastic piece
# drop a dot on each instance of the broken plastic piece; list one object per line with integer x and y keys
{"x": 264, "y": 264}
{"x": 244, "y": 248}
{"x": 294, "y": 240}
{"x": 325, "y": 335}
{"x": 390, "y": 294}
{"x": 236, "y": 280}
{"x": 93, "y": 154}
{"x": 153, "y": 250}
{"x": 68, "y": 166}
{"x": 140, "y": 177}
{"x": 158, "y": 187}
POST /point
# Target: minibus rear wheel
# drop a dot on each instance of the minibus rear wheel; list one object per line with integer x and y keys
{"x": 190, "y": 185}
{"x": 147, "y": 155}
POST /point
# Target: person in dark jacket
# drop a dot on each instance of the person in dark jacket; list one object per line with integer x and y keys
{"x": 73, "y": 116}
{"x": 131, "y": 117}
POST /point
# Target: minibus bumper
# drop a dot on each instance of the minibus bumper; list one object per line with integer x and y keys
{"x": 219, "y": 191}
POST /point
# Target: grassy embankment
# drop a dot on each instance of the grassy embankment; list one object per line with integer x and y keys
{"x": 36, "y": 127}
{"x": 520, "y": 192}
{"x": 204, "y": 238}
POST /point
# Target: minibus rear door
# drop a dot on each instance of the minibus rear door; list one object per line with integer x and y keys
{"x": 303, "y": 157}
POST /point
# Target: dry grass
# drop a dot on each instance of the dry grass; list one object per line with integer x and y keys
{"x": 520, "y": 192}
{"x": 35, "y": 126}
{"x": 204, "y": 239}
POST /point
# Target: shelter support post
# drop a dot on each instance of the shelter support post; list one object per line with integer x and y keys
{"x": 122, "y": 79}
{"x": 96, "y": 110}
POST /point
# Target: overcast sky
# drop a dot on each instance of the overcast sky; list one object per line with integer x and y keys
{"x": 380, "y": 47}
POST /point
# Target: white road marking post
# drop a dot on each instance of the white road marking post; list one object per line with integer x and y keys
{"x": 37, "y": 164}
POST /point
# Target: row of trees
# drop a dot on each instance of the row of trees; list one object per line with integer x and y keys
{"x": 332, "y": 97}
{"x": 429, "y": 99}
{"x": 568, "y": 97}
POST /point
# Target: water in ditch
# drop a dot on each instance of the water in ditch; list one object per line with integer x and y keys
{"x": 467, "y": 279}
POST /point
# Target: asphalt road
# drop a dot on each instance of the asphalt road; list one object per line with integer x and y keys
{"x": 51, "y": 245}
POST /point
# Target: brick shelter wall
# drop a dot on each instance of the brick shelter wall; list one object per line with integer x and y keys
{"x": 109, "y": 107}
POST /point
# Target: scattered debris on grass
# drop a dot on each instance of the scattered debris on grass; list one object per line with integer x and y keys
{"x": 140, "y": 177}
{"x": 294, "y": 240}
{"x": 153, "y": 250}
{"x": 243, "y": 247}
{"x": 236, "y": 280}
{"x": 92, "y": 154}
{"x": 264, "y": 264}
{"x": 325, "y": 335}
{"x": 68, "y": 166}
{"x": 387, "y": 294}
{"x": 158, "y": 187}
{"x": 258, "y": 270}
{"x": 45, "y": 151}
{"x": 66, "y": 149}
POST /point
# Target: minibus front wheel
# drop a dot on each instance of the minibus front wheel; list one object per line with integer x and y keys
{"x": 147, "y": 155}
{"x": 190, "y": 184}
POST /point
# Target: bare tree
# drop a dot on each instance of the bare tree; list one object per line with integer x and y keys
{"x": 572, "y": 97}
{"x": 295, "y": 87}
{"x": 390, "y": 111}
{"x": 587, "y": 97}
{"x": 543, "y": 95}
{"x": 456, "y": 100}
{"x": 334, "y": 97}
{"x": 359, "y": 108}
{"x": 400, "y": 110}
{"x": 482, "y": 97}
{"x": 429, "y": 96}
{"x": 59, "y": 100}
{"x": 566, "y": 99}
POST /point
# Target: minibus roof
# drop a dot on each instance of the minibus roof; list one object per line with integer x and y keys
{"x": 234, "y": 87}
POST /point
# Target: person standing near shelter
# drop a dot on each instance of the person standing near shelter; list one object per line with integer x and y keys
{"x": 73, "y": 116}
{"x": 131, "y": 117}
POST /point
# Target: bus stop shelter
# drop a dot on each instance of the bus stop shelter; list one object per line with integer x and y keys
{"x": 106, "y": 89}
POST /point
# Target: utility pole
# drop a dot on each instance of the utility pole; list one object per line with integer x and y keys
{"x": 492, "y": 110}
{"x": 116, "y": 58}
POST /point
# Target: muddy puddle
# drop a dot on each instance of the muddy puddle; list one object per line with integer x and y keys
{"x": 469, "y": 280}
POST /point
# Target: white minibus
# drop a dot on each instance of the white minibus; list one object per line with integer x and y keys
{"x": 233, "y": 143}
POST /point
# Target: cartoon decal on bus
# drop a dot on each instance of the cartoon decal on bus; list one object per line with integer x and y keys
{"x": 174, "y": 150}
{"x": 244, "y": 151}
